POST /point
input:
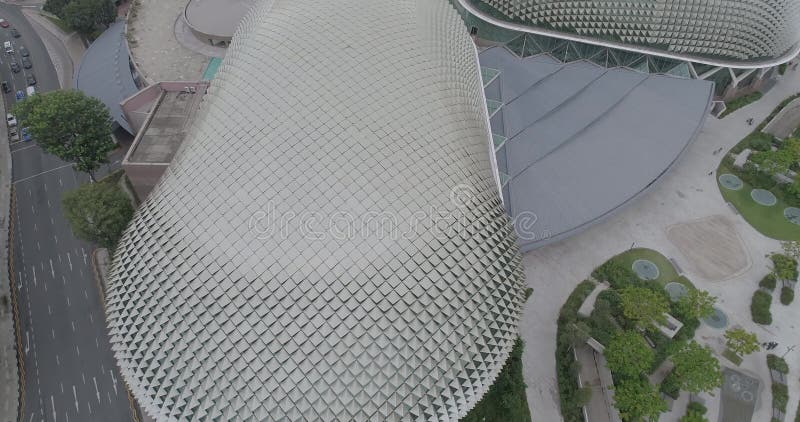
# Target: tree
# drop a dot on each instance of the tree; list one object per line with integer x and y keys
{"x": 71, "y": 126}
{"x": 697, "y": 304}
{"x": 643, "y": 305}
{"x": 98, "y": 212}
{"x": 741, "y": 342}
{"x": 628, "y": 354}
{"x": 696, "y": 367}
{"x": 55, "y": 7}
{"x": 576, "y": 333}
{"x": 85, "y": 16}
{"x": 637, "y": 400}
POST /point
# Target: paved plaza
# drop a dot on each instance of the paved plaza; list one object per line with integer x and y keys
{"x": 685, "y": 195}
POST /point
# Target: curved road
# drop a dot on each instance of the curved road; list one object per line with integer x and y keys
{"x": 70, "y": 372}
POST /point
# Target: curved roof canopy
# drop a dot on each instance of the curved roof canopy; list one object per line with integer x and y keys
{"x": 329, "y": 242}
{"x": 104, "y": 72}
{"x": 577, "y": 141}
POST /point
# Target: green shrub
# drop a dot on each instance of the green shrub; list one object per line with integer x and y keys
{"x": 777, "y": 363}
{"x": 797, "y": 414}
{"x": 760, "y": 141}
{"x": 782, "y": 68}
{"x": 697, "y": 407}
{"x": 787, "y": 295}
{"x": 780, "y": 396}
{"x": 768, "y": 282}
{"x": 759, "y": 308}
{"x": 506, "y": 399}
{"x": 671, "y": 386}
{"x": 616, "y": 274}
{"x": 740, "y": 102}
{"x": 785, "y": 267}
{"x": 755, "y": 177}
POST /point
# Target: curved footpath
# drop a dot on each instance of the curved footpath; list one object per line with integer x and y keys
{"x": 688, "y": 193}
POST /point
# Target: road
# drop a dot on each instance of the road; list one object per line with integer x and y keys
{"x": 70, "y": 372}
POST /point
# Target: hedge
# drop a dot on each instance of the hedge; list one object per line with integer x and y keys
{"x": 616, "y": 274}
{"x": 787, "y": 295}
{"x": 785, "y": 267}
{"x": 777, "y": 363}
{"x": 768, "y": 282}
{"x": 780, "y": 396}
{"x": 759, "y": 308}
{"x": 570, "y": 396}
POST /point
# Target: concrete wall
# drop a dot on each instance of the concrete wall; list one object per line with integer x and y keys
{"x": 144, "y": 177}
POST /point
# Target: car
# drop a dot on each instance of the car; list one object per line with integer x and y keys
{"x": 30, "y": 79}
{"x": 26, "y": 135}
{"x": 6, "y": 89}
{"x": 11, "y": 120}
{"x": 31, "y": 91}
{"x": 24, "y": 51}
{"x": 15, "y": 66}
{"x": 13, "y": 134}
{"x": 26, "y": 63}
{"x": 8, "y": 47}
{"x": 14, "y": 33}
{"x": 20, "y": 95}
{"x": 4, "y": 23}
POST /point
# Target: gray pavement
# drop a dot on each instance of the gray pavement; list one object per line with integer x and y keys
{"x": 786, "y": 122}
{"x": 65, "y": 49}
{"x": 9, "y": 372}
{"x": 70, "y": 373}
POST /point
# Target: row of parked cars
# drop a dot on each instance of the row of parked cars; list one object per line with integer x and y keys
{"x": 30, "y": 79}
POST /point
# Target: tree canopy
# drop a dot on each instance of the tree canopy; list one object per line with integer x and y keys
{"x": 696, "y": 367}
{"x": 98, "y": 212}
{"x": 637, "y": 400}
{"x": 628, "y": 354}
{"x": 697, "y": 304}
{"x": 69, "y": 125}
{"x": 643, "y": 305}
{"x": 741, "y": 342}
{"x": 85, "y": 16}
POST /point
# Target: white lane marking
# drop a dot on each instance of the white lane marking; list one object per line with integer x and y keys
{"x": 38, "y": 246}
{"x": 90, "y": 407}
{"x": 113, "y": 382}
{"x": 68, "y": 301}
{"x": 79, "y": 353}
{"x": 85, "y": 295}
{"x": 56, "y": 238}
{"x": 75, "y": 395}
{"x": 35, "y": 227}
{"x": 73, "y": 328}
{"x": 52, "y": 222}
{"x": 96, "y": 343}
{"x": 44, "y": 172}
{"x": 31, "y": 419}
{"x": 59, "y": 182}
{"x": 34, "y": 275}
{"x": 70, "y": 261}
{"x": 96, "y": 390}
{"x": 58, "y": 360}
{"x": 91, "y": 318}
{"x": 45, "y": 286}
{"x": 19, "y": 285}
{"x": 45, "y": 186}
{"x": 62, "y": 386}
{"x": 27, "y": 342}
{"x": 109, "y": 398}
{"x": 48, "y": 204}
{"x": 53, "y": 333}
{"x": 84, "y": 256}
{"x": 53, "y": 404}
{"x": 52, "y": 271}
{"x": 63, "y": 280}
{"x": 49, "y": 310}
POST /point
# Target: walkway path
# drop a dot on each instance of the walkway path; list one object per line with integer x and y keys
{"x": 9, "y": 376}
{"x": 687, "y": 193}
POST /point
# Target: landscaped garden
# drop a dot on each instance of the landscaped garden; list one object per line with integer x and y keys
{"x": 765, "y": 187}
{"x": 631, "y": 319}
{"x": 505, "y": 400}
{"x": 784, "y": 271}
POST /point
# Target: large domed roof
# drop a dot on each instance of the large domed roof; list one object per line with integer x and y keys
{"x": 329, "y": 242}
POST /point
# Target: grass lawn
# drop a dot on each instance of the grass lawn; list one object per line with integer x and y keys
{"x": 769, "y": 221}
{"x": 667, "y": 272}
{"x": 59, "y": 23}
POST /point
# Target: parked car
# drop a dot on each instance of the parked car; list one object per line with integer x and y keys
{"x": 30, "y": 79}
{"x": 26, "y": 63}
{"x": 26, "y": 135}
{"x": 31, "y": 91}
{"x": 11, "y": 120}
{"x": 4, "y": 23}
{"x": 12, "y": 133}
{"x": 14, "y": 33}
{"x": 15, "y": 66}
{"x": 8, "y": 47}
{"x": 20, "y": 95}
{"x": 6, "y": 89}
{"x": 24, "y": 51}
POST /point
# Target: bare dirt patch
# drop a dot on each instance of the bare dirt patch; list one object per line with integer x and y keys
{"x": 711, "y": 245}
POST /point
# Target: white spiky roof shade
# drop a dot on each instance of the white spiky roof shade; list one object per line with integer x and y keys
{"x": 324, "y": 108}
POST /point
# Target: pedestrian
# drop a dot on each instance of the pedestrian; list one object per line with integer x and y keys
{"x": 711, "y": 172}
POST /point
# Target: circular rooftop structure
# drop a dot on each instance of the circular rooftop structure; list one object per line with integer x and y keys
{"x": 283, "y": 268}
{"x": 215, "y": 21}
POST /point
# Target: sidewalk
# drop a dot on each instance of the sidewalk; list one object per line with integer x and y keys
{"x": 65, "y": 50}
{"x": 9, "y": 375}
